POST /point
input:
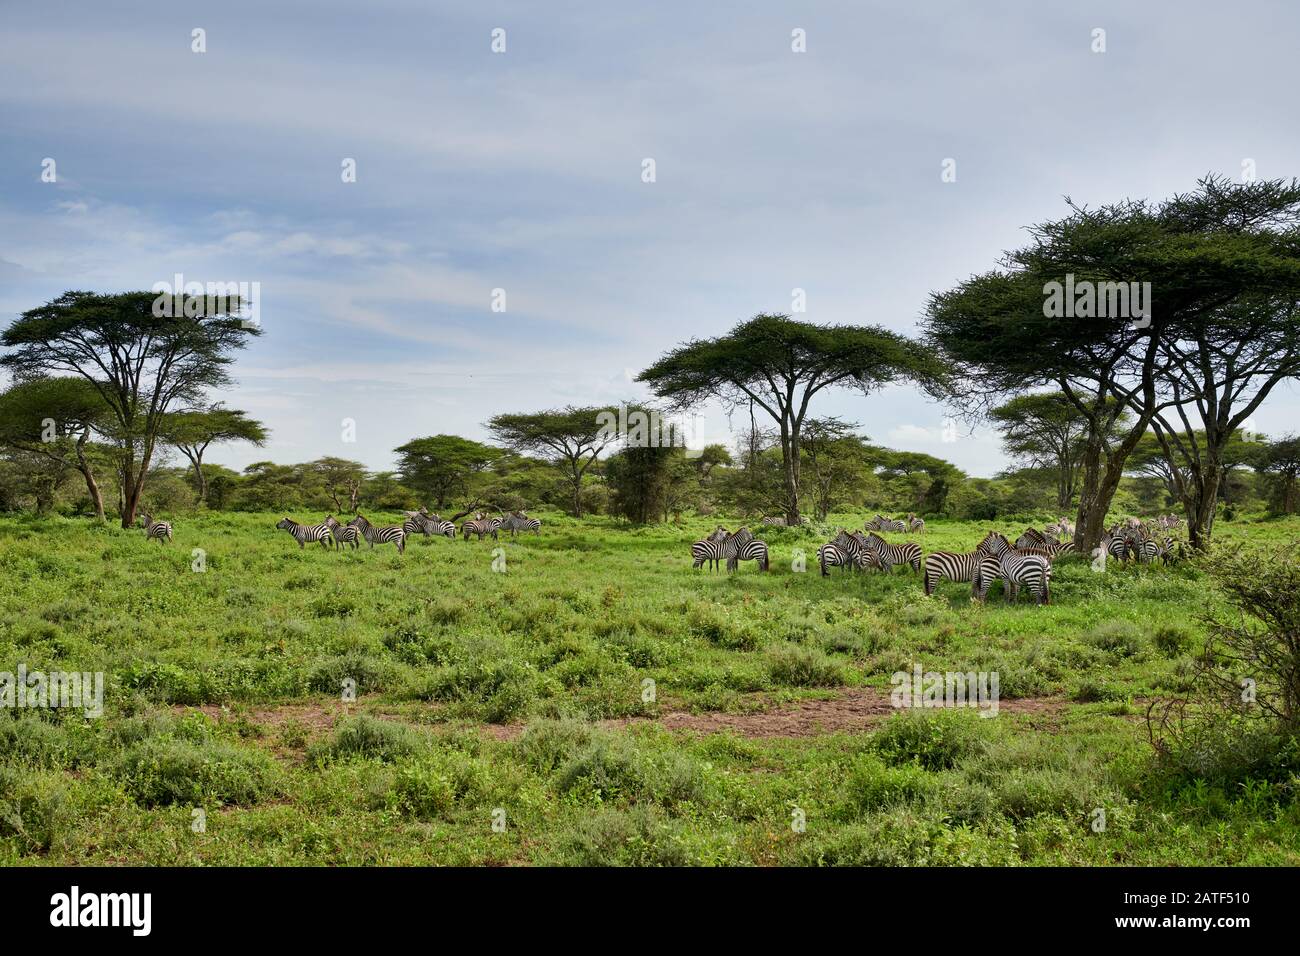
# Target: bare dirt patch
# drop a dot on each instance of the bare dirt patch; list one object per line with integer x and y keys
{"x": 852, "y": 710}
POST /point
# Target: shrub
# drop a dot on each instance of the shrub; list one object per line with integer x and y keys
{"x": 1117, "y": 638}
{"x": 793, "y": 665}
{"x": 431, "y": 786}
{"x": 33, "y": 808}
{"x": 613, "y": 768}
{"x": 872, "y": 785}
{"x": 1172, "y": 640}
{"x": 160, "y": 771}
{"x": 934, "y": 739}
{"x": 635, "y": 837}
{"x": 369, "y": 737}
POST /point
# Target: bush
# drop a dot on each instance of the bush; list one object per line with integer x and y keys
{"x": 1117, "y": 638}
{"x": 871, "y": 785}
{"x": 368, "y": 737}
{"x": 1171, "y": 640}
{"x": 793, "y": 665}
{"x": 431, "y": 786}
{"x": 636, "y": 837}
{"x": 33, "y": 808}
{"x": 614, "y": 768}
{"x": 161, "y": 771}
{"x": 934, "y": 739}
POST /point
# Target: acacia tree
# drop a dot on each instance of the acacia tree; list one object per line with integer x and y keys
{"x": 1044, "y": 430}
{"x": 443, "y": 465}
{"x": 342, "y": 480}
{"x": 1217, "y": 376}
{"x": 143, "y": 352}
{"x": 838, "y": 459}
{"x": 571, "y": 437}
{"x": 1203, "y": 255}
{"x": 1280, "y": 460}
{"x": 779, "y": 365}
{"x": 33, "y": 412}
{"x": 192, "y": 432}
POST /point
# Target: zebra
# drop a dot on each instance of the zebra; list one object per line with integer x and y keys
{"x": 775, "y": 522}
{"x": 427, "y": 524}
{"x": 915, "y": 524}
{"x": 1032, "y": 571}
{"x": 907, "y": 553}
{"x": 159, "y": 530}
{"x": 1032, "y": 538}
{"x": 950, "y": 566}
{"x": 343, "y": 533}
{"x": 392, "y": 533}
{"x": 833, "y": 556}
{"x": 1014, "y": 567}
{"x": 847, "y": 550}
{"x": 745, "y": 547}
{"x": 715, "y": 552}
{"x": 481, "y": 525}
{"x": 881, "y": 523}
{"x": 518, "y": 521}
{"x": 713, "y": 549}
{"x": 435, "y": 525}
{"x": 303, "y": 533}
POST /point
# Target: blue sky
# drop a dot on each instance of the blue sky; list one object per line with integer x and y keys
{"x": 522, "y": 170}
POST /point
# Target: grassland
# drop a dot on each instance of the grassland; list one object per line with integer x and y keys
{"x": 520, "y": 698}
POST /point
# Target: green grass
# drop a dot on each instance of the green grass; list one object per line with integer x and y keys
{"x": 224, "y": 691}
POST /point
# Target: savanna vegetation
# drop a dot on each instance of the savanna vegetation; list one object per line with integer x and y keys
{"x": 581, "y": 695}
{"x": 522, "y": 691}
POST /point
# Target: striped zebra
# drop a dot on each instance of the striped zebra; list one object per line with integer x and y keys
{"x": 713, "y": 549}
{"x": 518, "y": 521}
{"x": 1032, "y": 538}
{"x": 421, "y": 522}
{"x": 831, "y": 555}
{"x": 391, "y": 533}
{"x": 343, "y": 533}
{"x": 848, "y": 550}
{"x": 159, "y": 531}
{"x": 745, "y": 547}
{"x": 881, "y": 523}
{"x": 1031, "y": 571}
{"x": 482, "y": 525}
{"x": 303, "y": 533}
{"x": 915, "y": 524}
{"x": 1014, "y": 567}
{"x": 908, "y": 553}
{"x": 950, "y": 566}
{"x": 775, "y": 522}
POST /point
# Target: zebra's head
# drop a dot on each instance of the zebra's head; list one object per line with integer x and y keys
{"x": 284, "y": 524}
{"x": 146, "y": 518}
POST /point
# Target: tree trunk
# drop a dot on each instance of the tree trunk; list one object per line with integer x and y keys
{"x": 1091, "y": 515}
{"x": 790, "y": 464}
{"x": 202, "y": 480}
{"x": 1200, "y": 514}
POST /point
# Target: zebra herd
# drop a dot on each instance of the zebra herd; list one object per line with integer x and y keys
{"x": 1143, "y": 541}
{"x": 332, "y": 532}
{"x": 910, "y": 523}
{"x": 1026, "y": 564}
